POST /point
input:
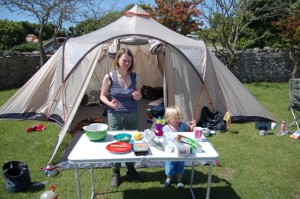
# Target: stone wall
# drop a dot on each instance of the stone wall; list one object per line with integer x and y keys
{"x": 254, "y": 65}
{"x": 259, "y": 65}
{"x": 16, "y": 69}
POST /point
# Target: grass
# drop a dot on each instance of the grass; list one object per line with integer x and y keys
{"x": 253, "y": 166}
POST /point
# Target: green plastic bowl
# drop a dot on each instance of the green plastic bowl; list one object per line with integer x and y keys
{"x": 96, "y": 131}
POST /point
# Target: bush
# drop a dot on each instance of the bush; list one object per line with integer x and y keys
{"x": 26, "y": 47}
{"x": 11, "y": 34}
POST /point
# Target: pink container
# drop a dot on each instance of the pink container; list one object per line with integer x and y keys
{"x": 158, "y": 129}
{"x": 198, "y": 131}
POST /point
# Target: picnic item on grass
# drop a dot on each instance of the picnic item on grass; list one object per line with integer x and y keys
{"x": 17, "y": 176}
{"x": 39, "y": 127}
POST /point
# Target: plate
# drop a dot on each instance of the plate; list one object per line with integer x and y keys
{"x": 123, "y": 137}
{"x": 119, "y": 147}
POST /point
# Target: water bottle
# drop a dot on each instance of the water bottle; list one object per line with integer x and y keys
{"x": 282, "y": 128}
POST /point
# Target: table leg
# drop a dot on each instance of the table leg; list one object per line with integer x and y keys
{"x": 209, "y": 179}
{"x": 92, "y": 181}
{"x": 77, "y": 176}
{"x": 192, "y": 180}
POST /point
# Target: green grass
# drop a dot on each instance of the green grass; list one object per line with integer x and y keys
{"x": 253, "y": 166}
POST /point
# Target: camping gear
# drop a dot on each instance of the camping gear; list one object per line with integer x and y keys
{"x": 88, "y": 121}
{"x": 157, "y": 111}
{"x": 96, "y": 131}
{"x": 17, "y": 176}
{"x": 191, "y": 75}
{"x": 51, "y": 170}
{"x": 212, "y": 121}
{"x": 152, "y": 93}
{"x": 39, "y": 127}
{"x": 294, "y": 106}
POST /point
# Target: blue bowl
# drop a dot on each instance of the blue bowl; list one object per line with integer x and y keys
{"x": 123, "y": 137}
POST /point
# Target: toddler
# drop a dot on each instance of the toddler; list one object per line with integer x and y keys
{"x": 173, "y": 117}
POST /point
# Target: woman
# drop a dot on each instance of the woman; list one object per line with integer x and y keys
{"x": 121, "y": 87}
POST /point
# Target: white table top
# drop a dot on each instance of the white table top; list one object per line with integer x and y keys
{"x": 86, "y": 151}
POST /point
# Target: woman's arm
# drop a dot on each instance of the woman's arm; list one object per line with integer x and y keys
{"x": 137, "y": 95}
{"x": 104, "y": 93}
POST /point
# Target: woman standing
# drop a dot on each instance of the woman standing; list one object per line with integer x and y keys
{"x": 121, "y": 86}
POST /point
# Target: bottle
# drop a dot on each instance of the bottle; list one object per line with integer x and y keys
{"x": 282, "y": 128}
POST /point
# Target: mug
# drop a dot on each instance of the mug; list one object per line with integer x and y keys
{"x": 198, "y": 131}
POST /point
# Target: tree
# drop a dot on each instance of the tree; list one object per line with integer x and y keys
{"x": 290, "y": 30}
{"x": 180, "y": 16}
{"x": 57, "y": 10}
{"x": 92, "y": 24}
{"x": 11, "y": 34}
{"x": 231, "y": 19}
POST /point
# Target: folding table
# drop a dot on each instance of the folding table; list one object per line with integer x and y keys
{"x": 89, "y": 153}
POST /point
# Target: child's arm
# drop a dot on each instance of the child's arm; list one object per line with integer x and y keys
{"x": 192, "y": 125}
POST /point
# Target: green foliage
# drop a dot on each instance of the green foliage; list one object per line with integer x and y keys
{"x": 90, "y": 25}
{"x": 11, "y": 34}
{"x": 180, "y": 16}
{"x": 26, "y": 47}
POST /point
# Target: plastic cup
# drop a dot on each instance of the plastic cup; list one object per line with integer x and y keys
{"x": 198, "y": 131}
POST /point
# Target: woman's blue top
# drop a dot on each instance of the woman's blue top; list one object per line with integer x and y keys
{"x": 124, "y": 95}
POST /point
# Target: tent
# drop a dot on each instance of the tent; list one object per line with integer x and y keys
{"x": 192, "y": 77}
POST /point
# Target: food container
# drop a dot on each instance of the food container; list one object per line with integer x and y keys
{"x": 96, "y": 131}
{"x": 184, "y": 149}
{"x": 123, "y": 137}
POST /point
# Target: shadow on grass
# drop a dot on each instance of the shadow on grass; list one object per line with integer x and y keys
{"x": 160, "y": 192}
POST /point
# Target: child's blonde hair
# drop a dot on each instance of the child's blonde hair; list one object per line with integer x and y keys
{"x": 172, "y": 112}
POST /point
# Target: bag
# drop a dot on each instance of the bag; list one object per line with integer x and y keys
{"x": 152, "y": 93}
{"x": 17, "y": 176}
{"x": 211, "y": 121}
{"x": 158, "y": 111}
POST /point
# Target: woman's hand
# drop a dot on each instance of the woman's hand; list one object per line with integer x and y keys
{"x": 114, "y": 104}
{"x": 137, "y": 95}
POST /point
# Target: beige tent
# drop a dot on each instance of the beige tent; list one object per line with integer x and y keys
{"x": 192, "y": 77}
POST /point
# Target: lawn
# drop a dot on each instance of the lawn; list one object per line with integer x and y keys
{"x": 252, "y": 166}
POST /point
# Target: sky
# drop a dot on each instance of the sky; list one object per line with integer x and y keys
{"x": 15, "y": 16}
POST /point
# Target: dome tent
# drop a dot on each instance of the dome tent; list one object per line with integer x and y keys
{"x": 192, "y": 77}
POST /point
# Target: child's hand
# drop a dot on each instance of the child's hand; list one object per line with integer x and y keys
{"x": 192, "y": 124}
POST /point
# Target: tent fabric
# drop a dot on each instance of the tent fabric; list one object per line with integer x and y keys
{"x": 191, "y": 75}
